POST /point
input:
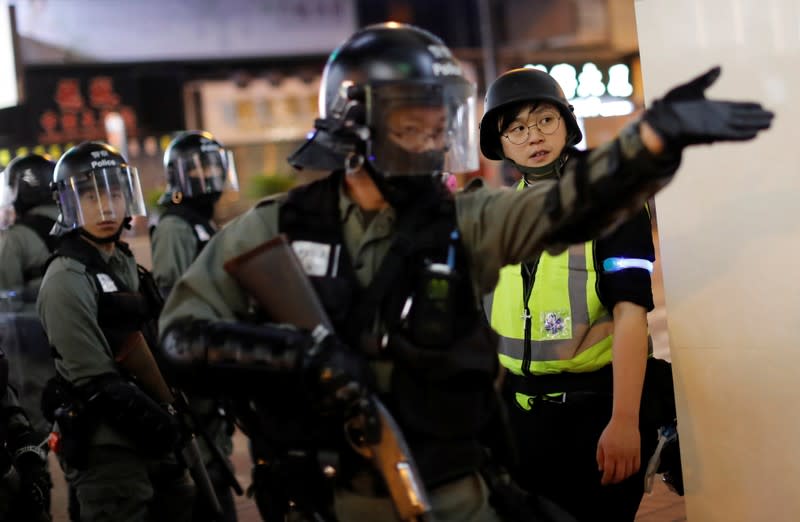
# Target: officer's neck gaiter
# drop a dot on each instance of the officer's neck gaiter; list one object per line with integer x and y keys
{"x": 403, "y": 192}
{"x": 203, "y": 204}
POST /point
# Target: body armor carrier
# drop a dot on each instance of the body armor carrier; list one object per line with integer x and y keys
{"x": 442, "y": 396}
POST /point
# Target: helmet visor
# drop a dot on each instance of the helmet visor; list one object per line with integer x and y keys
{"x": 109, "y": 194}
{"x": 8, "y": 195}
{"x": 422, "y": 128}
{"x": 208, "y": 172}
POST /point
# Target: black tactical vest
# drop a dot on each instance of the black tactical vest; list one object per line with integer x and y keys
{"x": 120, "y": 310}
{"x": 442, "y": 397}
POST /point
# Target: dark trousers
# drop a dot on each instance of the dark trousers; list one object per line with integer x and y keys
{"x": 557, "y": 444}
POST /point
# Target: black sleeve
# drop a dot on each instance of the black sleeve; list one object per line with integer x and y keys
{"x": 617, "y": 281}
{"x": 602, "y": 187}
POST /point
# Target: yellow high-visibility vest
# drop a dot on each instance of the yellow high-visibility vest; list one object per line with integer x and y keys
{"x": 570, "y": 329}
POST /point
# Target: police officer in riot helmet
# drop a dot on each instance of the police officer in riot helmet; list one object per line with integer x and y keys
{"x": 197, "y": 169}
{"x": 398, "y": 264}
{"x": 27, "y": 213}
{"x": 117, "y": 442}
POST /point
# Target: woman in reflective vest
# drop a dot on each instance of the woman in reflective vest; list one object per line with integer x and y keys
{"x": 563, "y": 320}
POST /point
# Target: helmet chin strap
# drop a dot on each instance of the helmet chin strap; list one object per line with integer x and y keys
{"x": 552, "y": 170}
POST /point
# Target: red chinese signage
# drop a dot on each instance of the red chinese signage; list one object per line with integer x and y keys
{"x": 79, "y": 117}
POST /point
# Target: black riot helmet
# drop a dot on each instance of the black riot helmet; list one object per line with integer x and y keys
{"x": 519, "y": 86}
{"x": 93, "y": 181}
{"x": 378, "y": 71}
{"x": 196, "y": 166}
{"x": 25, "y": 183}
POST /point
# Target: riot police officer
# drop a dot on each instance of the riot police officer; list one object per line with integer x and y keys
{"x": 197, "y": 169}
{"x": 25, "y": 246}
{"x": 398, "y": 265}
{"x": 28, "y": 214}
{"x": 117, "y": 443}
{"x": 26, "y": 242}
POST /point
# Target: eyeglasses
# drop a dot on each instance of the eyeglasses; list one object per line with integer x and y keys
{"x": 547, "y": 123}
{"x": 415, "y": 138}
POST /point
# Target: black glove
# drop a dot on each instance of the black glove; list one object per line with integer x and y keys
{"x": 336, "y": 375}
{"x": 30, "y": 460}
{"x": 153, "y": 427}
{"x": 685, "y": 117}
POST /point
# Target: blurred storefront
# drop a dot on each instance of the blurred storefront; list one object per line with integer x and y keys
{"x": 249, "y": 70}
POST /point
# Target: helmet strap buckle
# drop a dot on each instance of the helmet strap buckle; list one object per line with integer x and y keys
{"x": 353, "y": 162}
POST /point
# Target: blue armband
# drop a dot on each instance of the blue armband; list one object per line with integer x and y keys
{"x": 616, "y": 264}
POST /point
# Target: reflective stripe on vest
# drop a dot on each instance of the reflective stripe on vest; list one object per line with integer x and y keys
{"x": 571, "y": 330}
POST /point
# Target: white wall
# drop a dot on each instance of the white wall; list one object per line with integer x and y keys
{"x": 9, "y": 90}
{"x": 730, "y": 247}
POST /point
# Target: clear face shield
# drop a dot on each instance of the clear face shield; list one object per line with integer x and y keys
{"x": 101, "y": 196}
{"x": 422, "y": 128}
{"x": 208, "y": 172}
{"x": 8, "y": 195}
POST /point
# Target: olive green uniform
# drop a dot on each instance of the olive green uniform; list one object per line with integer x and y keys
{"x": 498, "y": 227}
{"x": 174, "y": 248}
{"x": 120, "y": 483}
{"x": 23, "y": 251}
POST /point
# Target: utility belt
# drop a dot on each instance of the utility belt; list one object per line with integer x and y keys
{"x": 658, "y": 394}
{"x": 73, "y": 424}
{"x": 559, "y": 388}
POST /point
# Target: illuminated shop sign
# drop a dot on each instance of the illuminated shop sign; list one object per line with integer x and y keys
{"x": 594, "y": 92}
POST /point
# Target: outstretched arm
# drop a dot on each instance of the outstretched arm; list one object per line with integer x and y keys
{"x": 600, "y": 189}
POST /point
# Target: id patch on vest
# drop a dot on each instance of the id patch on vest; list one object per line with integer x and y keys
{"x": 316, "y": 258}
{"x": 106, "y": 283}
{"x": 555, "y": 325}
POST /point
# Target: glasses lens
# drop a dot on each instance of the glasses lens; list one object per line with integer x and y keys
{"x": 548, "y": 123}
{"x": 517, "y": 134}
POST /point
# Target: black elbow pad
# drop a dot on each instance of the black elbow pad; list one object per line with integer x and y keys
{"x": 133, "y": 413}
{"x": 224, "y": 343}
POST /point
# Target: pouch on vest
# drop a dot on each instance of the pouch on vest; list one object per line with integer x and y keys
{"x": 442, "y": 391}
{"x": 432, "y": 318}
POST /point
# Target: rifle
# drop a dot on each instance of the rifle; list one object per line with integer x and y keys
{"x": 135, "y": 357}
{"x": 149, "y": 289}
{"x": 274, "y": 277}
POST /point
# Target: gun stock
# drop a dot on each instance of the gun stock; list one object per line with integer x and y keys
{"x": 274, "y": 277}
{"x": 389, "y": 453}
{"x": 136, "y": 358}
